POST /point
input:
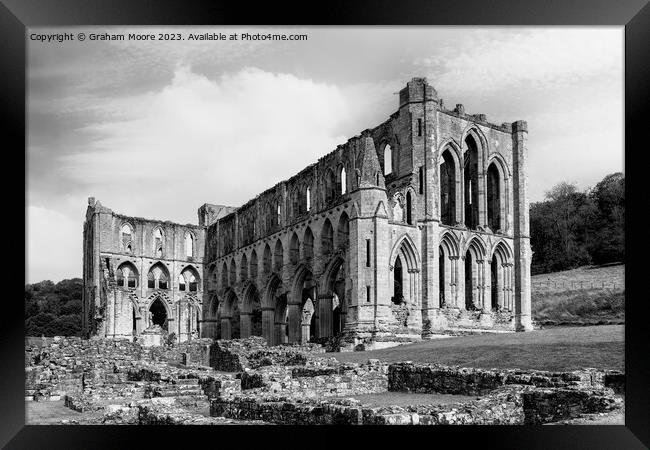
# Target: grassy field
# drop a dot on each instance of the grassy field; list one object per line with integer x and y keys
{"x": 583, "y": 296}
{"x": 567, "y": 348}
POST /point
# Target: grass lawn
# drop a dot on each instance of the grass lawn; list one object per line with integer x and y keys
{"x": 566, "y": 348}
{"x": 587, "y": 295}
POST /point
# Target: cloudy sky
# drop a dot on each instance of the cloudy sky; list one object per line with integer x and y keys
{"x": 156, "y": 129}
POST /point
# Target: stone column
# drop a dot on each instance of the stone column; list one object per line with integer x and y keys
{"x": 267, "y": 325}
{"x": 484, "y": 287}
{"x": 501, "y": 285}
{"x": 226, "y": 328}
{"x": 295, "y": 319}
{"x": 244, "y": 324}
{"x": 304, "y": 337}
{"x": 460, "y": 282}
{"x": 522, "y": 252}
{"x": 325, "y": 315}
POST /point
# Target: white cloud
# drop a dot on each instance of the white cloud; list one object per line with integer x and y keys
{"x": 53, "y": 245}
{"x": 200, "y": 140}
{"x": 485, "y": 61}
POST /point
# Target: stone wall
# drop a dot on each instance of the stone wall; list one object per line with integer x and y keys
{"x": 553, "y": 405}
{"x": 429, "y": 378}
{"x": 238, "y": 354}
{"x": 317, "y": 380}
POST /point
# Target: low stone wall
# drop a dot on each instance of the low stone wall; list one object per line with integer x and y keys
{"x": 553, "y": 405}
{"x": 212, "y": 383}
{"x": 196, "y": 352}
{"x": 429, "y": 378}
{"x": 324, "y": 378}
{"x": 507, "y": 405}
{"x": 238, "y": 354}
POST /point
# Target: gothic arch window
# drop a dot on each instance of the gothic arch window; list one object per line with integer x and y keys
{"x": 471, "y": 170}
{"x": 158, "y": 277}
{"x": 330, "y": 186}
{"x": 327, "y": 238}
{"x": 278, "y": 256}
{"x": 388, "y": 160}
{"x": 344, "y": 183}
{"x": 279, "y": 215}
{"x": 398, "y": 208}
{"x": 448, "y": 189}
{"x": 158, "y": 242}
{"x": 308, "y": 244}
{"x": 494, "y": 197}
{"x": 127, "y": 275}
{"x": 189, "y": 245}
{"x": 191, "y": 279}
{"x": 127, "y": 237}
{"x": 308, "y": 198}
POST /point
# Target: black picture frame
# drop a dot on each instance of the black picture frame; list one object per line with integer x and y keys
{"x": 18, "y": 15}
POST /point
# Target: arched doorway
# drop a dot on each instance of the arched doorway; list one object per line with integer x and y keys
{"x": 469, "y": 282}
{"x": 398, "y": 279}
{"x": 158, "y": 314}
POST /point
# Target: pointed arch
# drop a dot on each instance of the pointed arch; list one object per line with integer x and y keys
{"x": 308, "y": 244}
{"x": 327, "y": 237}
{"x": 158, "y": 276}
{"x": 191, "y": 277}
{"x": 232, "y": 273}
{"x": 405, "y": 245}
{"x": 253, "y": 265}
{"x": 267, "y": 260}
{"x": 449, "y": 180}
{"x": 343, "y": 181}
{"x": 471, "y": 170}
{"x": 273, "y": 285}
{"x": 278, "y": 256}
{"x": 497, "y": 193}
{"x": 330, "y": 186}
{"x": 294, "y": 249}
{"x": 189, "y": 244}
{"x": 127, "y": 275}
{"x": 126, "y": 237}
{"x": 224, "y": 275}
{"x": 243, "y": 267}
{"x": 343, "y": 231}
{"x": 388, "y": 160}
{"x": 158, "y": 242}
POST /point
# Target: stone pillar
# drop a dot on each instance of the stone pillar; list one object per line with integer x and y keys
{"x": 522, "y": 252}
{"x": 460, "y": 283}
{"x": 501, "y": 286}
{"x": 325, "y": 316}
{"x": 244, "y": 324}
{"x": 226, "y": 328}
{"x": 484, "y": 287}
{"x": 295, "y": 322}
{"x": 304, "y": 337}
{"x": 267, "y": 325}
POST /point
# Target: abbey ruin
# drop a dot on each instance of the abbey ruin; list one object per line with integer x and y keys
{"x": 414, "y": 228}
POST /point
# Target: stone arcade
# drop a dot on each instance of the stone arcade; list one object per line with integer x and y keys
{"x": 417, "y": 227}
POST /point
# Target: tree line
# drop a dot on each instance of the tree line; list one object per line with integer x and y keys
{"x": 53, "y": 309}
{"x": 570, "y": 228}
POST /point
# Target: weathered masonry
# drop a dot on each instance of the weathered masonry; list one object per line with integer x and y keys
{"x": 414, "y": 227}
